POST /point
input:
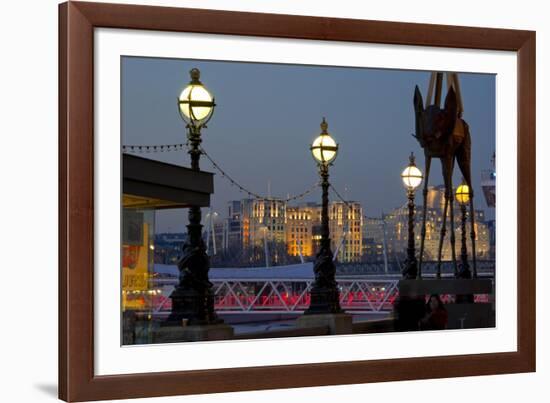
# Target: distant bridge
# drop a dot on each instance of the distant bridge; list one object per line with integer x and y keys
{"x": 285, "y": 289}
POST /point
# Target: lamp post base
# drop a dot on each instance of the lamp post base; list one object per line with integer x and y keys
{"x": 410, "y": 270}
{"x": 324, "y": 294}
{"x": 464, "y": 273}
{"x": 196, "y": 307}
{"x": 338, "y": 323}
{"x": 324, "y": 300}
{"x": 193, "y": 298}
{"x": 408, "y": 311}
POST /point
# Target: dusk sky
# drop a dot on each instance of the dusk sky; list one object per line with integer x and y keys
{"x": 267, "y": 115}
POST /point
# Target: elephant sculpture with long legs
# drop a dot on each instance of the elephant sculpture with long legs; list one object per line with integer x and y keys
{"x": 443, "y": 134}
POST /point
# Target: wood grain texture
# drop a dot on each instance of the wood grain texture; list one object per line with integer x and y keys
{"x": 526, "y": 198}
{"x": 300, "y": 27}
{"x": 76, "y": 210}
{"x": 63, "y": 320}
{"x": 76, "y": 213}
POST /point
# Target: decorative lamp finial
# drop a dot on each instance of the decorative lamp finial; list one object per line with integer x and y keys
{"x": 412, "y": 159}
{"x": 324, "y": 126}
{"x": 195, "y": 75}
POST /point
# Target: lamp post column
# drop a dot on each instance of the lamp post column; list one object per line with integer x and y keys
{"x": 409, "y": 310}
{"x": 463, "y": 195}
{"x": 193, "y": 317}
{"x": 412, "y": 178}
{"x": 193, "y": 298}
{"x": 324, "y": 307}
{"x": 464, "y": 271}
{"x": 325, "y": 297}
{"x": 325, "y": 232}
{"x": 411, "y": 265}
{"x": 194, "y": 228}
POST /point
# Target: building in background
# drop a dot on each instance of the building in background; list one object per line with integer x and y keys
{"x": 491, "y": 227}
{"x": 214, "y": 232}
{"x": 345, "y": 225}
{"x": 488, "y": 183}
{"x": 397, "y": 235}
{"x": 270, "y": 226}
{"x": 263, "y": 230}
{"x": 233, "y": 227}
{"x": 168, "y": 247}
{"x": 269, "y": 232}
{"x": 262, "y": 219}
{"x": 346, "y": 230}
{"x": 301, "y": 221}
{"x": 374, "y": 240}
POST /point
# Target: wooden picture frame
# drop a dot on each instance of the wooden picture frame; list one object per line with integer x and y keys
{"x": 77, "y": 21}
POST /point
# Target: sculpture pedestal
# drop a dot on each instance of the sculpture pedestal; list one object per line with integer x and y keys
{"x": 177, "y": 334}
{"x": 413, "y": 294}
{"x": 407, "y": 312}
{"x": 338, "y": 323}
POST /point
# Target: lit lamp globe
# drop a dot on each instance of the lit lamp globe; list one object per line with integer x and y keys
{"x": 196, "y": 104}
{"x": 411, "y": 176}
{"x": 324, "y": 149}
{"x": 463, "y": 194}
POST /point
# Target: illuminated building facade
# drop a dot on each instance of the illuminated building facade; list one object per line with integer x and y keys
{"x": 397, "y": 235}
{"x": 346, "y": 230}
{"x": 300, "y": 229}
{"x": 261, "y": 220}
{"x": 345, "y": 224}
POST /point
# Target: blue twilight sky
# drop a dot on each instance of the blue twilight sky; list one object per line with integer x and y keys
{"x": 267, "y": 115}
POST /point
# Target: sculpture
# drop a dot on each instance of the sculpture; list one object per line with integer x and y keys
{"x": 443, "y": 134}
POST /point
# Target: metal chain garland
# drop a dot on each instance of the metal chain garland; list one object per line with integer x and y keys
{"x": 348, "y": 205}
{"x": 178, "y": 147}
{"x": 251, "y": 193}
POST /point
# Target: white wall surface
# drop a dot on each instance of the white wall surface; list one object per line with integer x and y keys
{"x": 28, "y": 199}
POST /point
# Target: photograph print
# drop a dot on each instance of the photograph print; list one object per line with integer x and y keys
{"x": 267, "y": 200}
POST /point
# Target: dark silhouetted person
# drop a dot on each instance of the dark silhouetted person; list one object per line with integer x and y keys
{"x": 436, "y": 315}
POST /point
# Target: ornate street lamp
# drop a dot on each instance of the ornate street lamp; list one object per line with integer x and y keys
{"x": 324, "y": 291}
{"x": 412, "y": 178}
{"x": 463, "y": 198}
{"x": 193, "y": 298}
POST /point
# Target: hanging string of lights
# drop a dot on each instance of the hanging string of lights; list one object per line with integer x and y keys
{"x": 250, "y": 193}
{"x": 347, "y": 203}
{"x": 153, "y": 148}
{"x": 178, "y": 147}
